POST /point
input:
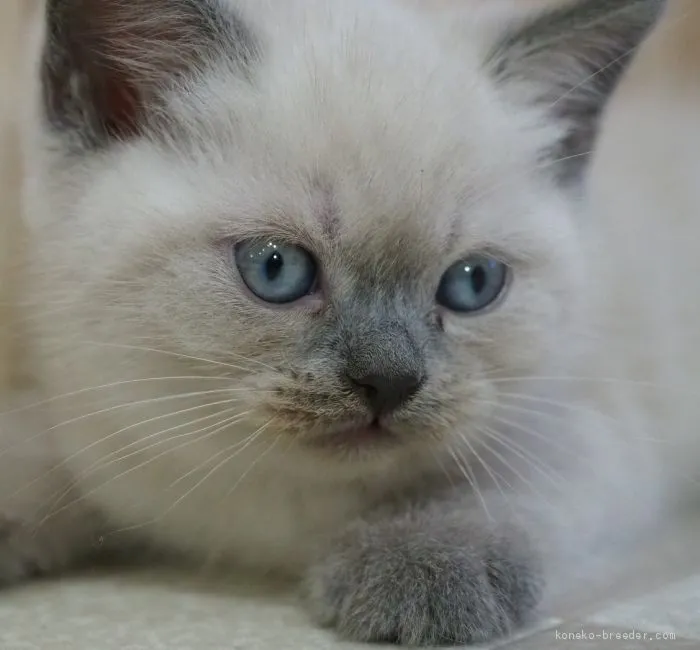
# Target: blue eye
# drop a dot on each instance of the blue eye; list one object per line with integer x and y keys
{"x": 472, "y": 284}
{"x": 276, "y": 273}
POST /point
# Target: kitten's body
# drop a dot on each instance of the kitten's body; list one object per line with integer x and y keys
{"x": 642, "y": 192}
{"x": 339, "y": 126}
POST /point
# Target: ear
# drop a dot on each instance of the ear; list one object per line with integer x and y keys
{"x": 568, "y": 62}
{"x": 107, "y": 63}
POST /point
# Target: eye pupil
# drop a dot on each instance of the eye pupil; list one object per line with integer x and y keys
{"x": 274, "y": 266}
{"x": 478, "y": 279}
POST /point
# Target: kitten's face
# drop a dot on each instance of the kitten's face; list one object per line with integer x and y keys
{"x": 348, "y": 218}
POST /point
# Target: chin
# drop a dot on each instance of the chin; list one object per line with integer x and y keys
{"x": 367, "y": 451}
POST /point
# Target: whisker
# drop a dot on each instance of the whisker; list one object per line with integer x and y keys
{"x": 571, "y": 407}
{"x": 495, "y": 476}
{"x": 180, "y": 355}
{"x": 524, "y": 454}
{"x": 150, "y": 420}
{"x": 209, "y": 474}
{"x": 441, "y": 465}
{"x": 526, "y": 481}
{"x": 89, "y": 493}
{"x": 508, "y": 465}
{"x": 516, "y": 425}
{"x": 273, "y": 444}
{"x": 228, "y": 449}
{"x": 115, "y": 384}
{"x": 468, "y": 473}
{"x": 475, "y": 200}
{"x": 473, "y": 452}
{"x": 536, "y": 434}
{"x": 630, "y": 52}
{"x": 489, "y": 470}
{"x": 591, "y": 77}
{"x": 218, "y": 427}
{"x": 564, "y": 379}
{"x": 126, "y": 405}
{"x": 237, "y": 449}
{"x": 100, "y": 463}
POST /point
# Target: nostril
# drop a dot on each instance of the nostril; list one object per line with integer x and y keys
{"x": 370, "y": 391}
{"x": 386, "y": 393}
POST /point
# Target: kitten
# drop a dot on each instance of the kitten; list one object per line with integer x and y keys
{"x": 314, "y": 294}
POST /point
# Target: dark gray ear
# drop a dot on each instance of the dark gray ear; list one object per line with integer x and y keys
{"x": 569, "y": 62}
{"x": 107, "y": 63}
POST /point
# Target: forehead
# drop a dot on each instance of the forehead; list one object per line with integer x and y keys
{"x": 354, "y": 135}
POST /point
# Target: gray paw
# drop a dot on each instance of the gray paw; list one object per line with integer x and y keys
{"x": 21, "y": 552}
{"x": 417, "y": 581}
{"x": 28, "y": 550}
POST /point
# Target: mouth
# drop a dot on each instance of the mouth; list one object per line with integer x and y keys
{"x": 371, "y": 435}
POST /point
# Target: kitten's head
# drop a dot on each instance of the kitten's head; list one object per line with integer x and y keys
{"x": 361, "y": 218}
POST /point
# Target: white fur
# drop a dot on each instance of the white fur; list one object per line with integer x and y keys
{"x": 643, "y": 228}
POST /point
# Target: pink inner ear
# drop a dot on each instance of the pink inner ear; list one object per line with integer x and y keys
{"x": 121, "y": 105}
{"x": 143, "y": 47}
{"x": 124, "y": 53}
{"x": 102, "y": 38}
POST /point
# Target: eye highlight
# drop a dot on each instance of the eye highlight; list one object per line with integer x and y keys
{"x": 472, "y": 284}
{"x": 275, "y": 272}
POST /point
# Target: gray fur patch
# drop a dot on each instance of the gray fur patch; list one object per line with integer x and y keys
{"x": 428, "y": 577}
{"x": 106, "y": 65}
{"x": 573, "y": 59}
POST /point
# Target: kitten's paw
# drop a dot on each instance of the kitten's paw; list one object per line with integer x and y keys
{"x": 22, "y": 554}
{"x": 30, "y": 549}
{"x": 401, "y": 582}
